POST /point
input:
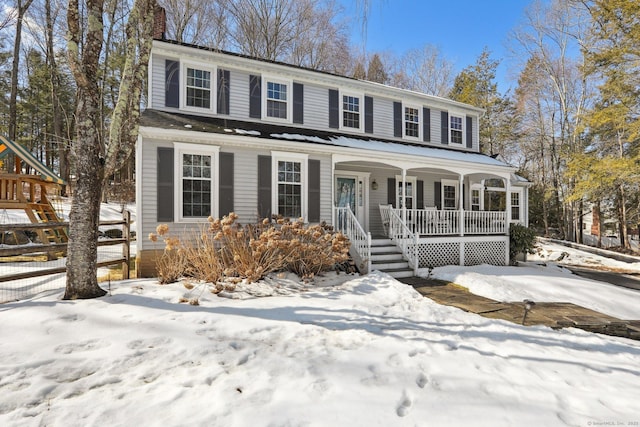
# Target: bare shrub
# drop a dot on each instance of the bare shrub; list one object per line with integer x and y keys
{"x": 229, "y": 250}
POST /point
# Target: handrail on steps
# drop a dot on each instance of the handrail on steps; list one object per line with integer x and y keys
{"x": 402, "y": 235}
{"x": 347, "y": 224}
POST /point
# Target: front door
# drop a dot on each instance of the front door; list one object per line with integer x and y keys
{"x": 350, "y": 192}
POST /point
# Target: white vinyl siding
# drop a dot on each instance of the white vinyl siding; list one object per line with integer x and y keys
{"x": 383, "y": 118}
{"x": 238, "y": 95}
{"x": 325, "y": 187}
{"x": 436, "y": 121}
{"x": 158, "y": 82}
{"x": 316, "y": 107}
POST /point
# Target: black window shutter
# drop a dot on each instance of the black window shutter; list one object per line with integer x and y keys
{"x": 171, "y": 83}
{"x": 225, "y": 186}
{"x": 298, "y": 103}
{"x": 469, "y": 132}
{"x": 391, "y": 191}
{"x": 255, "y": 97}
{"x": 264, "y": 186}
{"x": 223, "y": 91}
{"x": 420, "y": 194}
{"x": 397, "y": 119}
{"x": 165, "y": 184}
{"x": 444, "y": 127}
{"x": 426, "y": 124}
{"x": 464, "y": 197}
{"x": 368, "y": 114}
{"x": 437, "y": 194}
{"x": 334, "y": 109}
{"x": 314, "y": 191}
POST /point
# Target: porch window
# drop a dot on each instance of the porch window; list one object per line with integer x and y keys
{"x": 198, "y": 86}
{"x": 351, "y": 111}
{"x": 455, "y": 129}
{"x": 475, "y": 199}
{"x": 449, "y": 194}
{"x": 277, "y": 100}
{"x": 411, "y": 122}
{"x": 195, "y": 170}
{"x": 410, "y": 182}
{"x": 515, "y": 206}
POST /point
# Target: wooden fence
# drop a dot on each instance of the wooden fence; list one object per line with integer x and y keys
{"x": 52, "y": 248}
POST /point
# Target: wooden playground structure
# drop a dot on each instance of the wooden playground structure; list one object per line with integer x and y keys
{"x": 30, "y": 192}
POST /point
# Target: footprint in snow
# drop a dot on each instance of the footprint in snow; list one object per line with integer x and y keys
{"x": 422, "y": 380}
{"x": 404, "y": 406}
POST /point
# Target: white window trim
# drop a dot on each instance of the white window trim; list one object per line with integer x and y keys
{"x": 360, "y": 96}
{"x": 404, "y": 122}
{"x": 520, "y": 193}
{"x": 414, "y": 184}
{"x": 480, "y": 188}
{"x": 452, "y": 183}
{"x": 181, "y": 148}
{"x": 464, "y": 130}
{"x": 289, "y": 84}
{"x": 278, "y": 156}
{"x": 183, "y": 86}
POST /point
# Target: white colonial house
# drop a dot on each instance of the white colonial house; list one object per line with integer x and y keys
{"x": 399, "y": 172}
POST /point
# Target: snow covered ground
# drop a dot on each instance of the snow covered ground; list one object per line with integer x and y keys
{"x": 368, "y": 352}
{"x": 543, "y": 279}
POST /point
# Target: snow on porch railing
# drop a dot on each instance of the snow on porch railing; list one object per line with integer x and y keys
{"x": 347, "y": 224}
{"x": 404, "y": 238}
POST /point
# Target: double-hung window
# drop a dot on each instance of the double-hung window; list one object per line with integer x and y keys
{"x": 449, "y": 194}
{"x": 411, "y": 122}
{"x": 290, "y": 183}
{"x": 351, "y": 109}
{"x": 198, "y": 84}
{"x": 196, "y": 168}
{"x": 198, "y": 88}
{"x": 515, "y": 206}
{"x": 455, "y": 129}
{"x": 277, "y": 99}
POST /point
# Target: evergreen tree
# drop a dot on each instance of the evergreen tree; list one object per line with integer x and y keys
{"x": 376, "y": 72}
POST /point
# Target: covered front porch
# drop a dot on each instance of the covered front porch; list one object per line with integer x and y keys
{"x": 437, "y": 212}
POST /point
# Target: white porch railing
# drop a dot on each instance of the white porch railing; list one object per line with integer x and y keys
{"x": 347, "y": 224}
{"x": 483, "y": 222}
{"x": 432, "y": 222}
{"x": 403, "y": 237}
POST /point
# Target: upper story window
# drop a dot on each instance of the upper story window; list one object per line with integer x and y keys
{"x": 351, "y": 108}
{"x": 412, "y": 122}
{"x": 198, "y": 88}
{"x": 276, "y": 100}
{"x": 455, "y": 129}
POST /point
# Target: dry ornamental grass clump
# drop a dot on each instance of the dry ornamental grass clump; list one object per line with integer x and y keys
{"x": 228, "y": 249}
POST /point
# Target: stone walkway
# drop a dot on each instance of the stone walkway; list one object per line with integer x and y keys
{"x": 552, "y": 314}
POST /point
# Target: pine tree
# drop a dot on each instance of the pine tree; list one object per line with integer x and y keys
{"x": 376, "y": 72}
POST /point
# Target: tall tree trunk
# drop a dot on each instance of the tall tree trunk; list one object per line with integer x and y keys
{"x": 87, "y": 152}
{"x": 13, "y": 95}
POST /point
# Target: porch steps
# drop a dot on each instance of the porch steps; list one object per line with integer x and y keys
{"x": 387, "y": 257}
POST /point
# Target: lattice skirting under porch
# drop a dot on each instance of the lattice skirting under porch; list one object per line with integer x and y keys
{"x": 436, "y": 252}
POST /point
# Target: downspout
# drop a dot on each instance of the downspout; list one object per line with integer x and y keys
{"x": 333, "y": 191}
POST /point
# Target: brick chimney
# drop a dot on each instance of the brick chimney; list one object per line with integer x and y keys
{"x": 160, "y": 23}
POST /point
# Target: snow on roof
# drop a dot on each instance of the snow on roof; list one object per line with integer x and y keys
{"x": 395, "y": 148}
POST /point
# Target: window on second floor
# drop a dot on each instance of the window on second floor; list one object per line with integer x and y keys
{"x": 455, "y": 129}
{"x": 198, "y": 87}
{"x": 351, "y": 111}
{"x": 412, "y": 122}
{"x": 277, "y": 100}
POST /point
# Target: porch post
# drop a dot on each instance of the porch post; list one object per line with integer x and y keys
{"x": 333, "y": 191}
{"x": 404, "y": 196}
{"x": 507, "y": 186}
{"x": 461, "y": 206}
